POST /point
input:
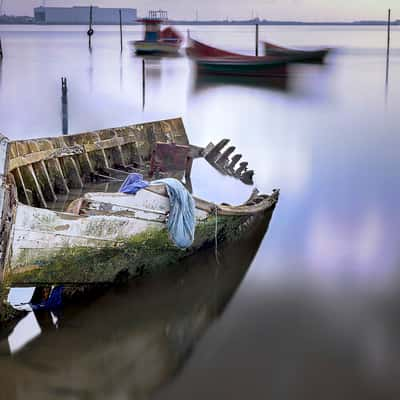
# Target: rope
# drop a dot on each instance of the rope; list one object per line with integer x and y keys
{"x": 216, "y": 235}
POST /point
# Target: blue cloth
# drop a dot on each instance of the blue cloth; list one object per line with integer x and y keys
{"x": 133, "y": 183}
{"x": 181, "y": 221}
{"x": 53, "y": 302}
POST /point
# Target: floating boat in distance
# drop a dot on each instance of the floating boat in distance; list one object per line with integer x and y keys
{"x": 99, "y": 235}
{"x": 305, "y": 56}
{"x": 157, "y": 41}
{"x": 211, "y": 60}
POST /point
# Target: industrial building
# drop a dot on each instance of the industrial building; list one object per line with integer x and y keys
{"x": 80, "y": 15}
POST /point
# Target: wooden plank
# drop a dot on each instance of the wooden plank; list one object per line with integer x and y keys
{"x": 213, "y": 153}
{"x": 54, "y": 169}
{"x": 38, "y": 189}
{"x": 42, "y": 174}
{"x": 4, "y": 207}
{"x": 72, "y": 173}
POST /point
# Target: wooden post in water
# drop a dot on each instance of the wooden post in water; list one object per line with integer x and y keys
{"x": 143, "y": 82}
{"x": 90, "y": 30}
{"x": 257, "y": 26}
{"x": 120, "y": 28}
{"x": 64, "y": 105}
{"x": 388, "y": 48}
{"x": 1, "y": 51}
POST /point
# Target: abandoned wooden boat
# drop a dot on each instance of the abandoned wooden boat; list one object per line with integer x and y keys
{"x": 304, "y": 56}
{"x": 157, "y": 41}
{"x": 211, "y": 60}
{"x": 99, "y": 235}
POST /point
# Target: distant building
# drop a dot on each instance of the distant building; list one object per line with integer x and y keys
{"x": 80, "y": 15}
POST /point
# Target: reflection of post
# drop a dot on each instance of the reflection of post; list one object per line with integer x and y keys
{"x": 257, "y": 39}
{"x": 64, "y": 103}
{"x": 1, "y": 51}
{"x": 143, "y": 81}
{"x": 388, "y": 48}
{"x": 90, "y": 30}
{"x": 120, "y": 27}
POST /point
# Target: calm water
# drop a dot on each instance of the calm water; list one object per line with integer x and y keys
{"x": 317, "y": 313}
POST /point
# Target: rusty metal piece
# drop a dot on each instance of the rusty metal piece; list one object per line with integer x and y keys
{"x": 168, "y": 157}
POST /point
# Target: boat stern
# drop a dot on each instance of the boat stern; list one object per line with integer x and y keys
{"x": 5, "y": 203}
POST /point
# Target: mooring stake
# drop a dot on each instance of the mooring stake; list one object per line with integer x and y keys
{"x": 388, "y": 48}
{"x": 143, "y": 82}
{"x": 90, "y": 31}
{"x": 64, "y": 105}
{"x": 257, "y": 26}
{"x": 120, "y": 28}
{"x": 1, "y": 51}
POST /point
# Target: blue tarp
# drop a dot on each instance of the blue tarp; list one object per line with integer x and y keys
{"x": 133, "y": 183}
{"x": 181, "y": 221}
{"x": 53, "y": 302}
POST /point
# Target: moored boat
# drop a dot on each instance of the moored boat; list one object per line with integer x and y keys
{"x": 310, "y": 56}
{"x": 99, "y": 235}
{"x": 212, "y": 60}
{"x": 157, "y": 41}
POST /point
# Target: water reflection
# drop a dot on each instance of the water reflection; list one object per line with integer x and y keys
{"x": 132, "y": 340}
{"x": 205, "y": 82}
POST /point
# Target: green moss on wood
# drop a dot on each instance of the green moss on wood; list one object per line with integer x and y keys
{"x": 144, "y": 253}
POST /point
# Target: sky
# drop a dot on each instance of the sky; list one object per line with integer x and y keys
{"x": 305, "y": 10}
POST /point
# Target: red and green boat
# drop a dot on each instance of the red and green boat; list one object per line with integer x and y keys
{"x": 211, "y": 60}
{"x": 157, "y": 41}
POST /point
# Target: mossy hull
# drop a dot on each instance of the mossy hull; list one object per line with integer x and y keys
{"x": 144, "y": 253}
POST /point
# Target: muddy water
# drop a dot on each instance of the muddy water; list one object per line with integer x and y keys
{"x": 317, "y": 312}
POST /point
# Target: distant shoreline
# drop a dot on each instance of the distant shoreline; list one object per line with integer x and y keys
{"x": 26, "y": 21}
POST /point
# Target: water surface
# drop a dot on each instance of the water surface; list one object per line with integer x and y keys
{"x": 317, "y": 313}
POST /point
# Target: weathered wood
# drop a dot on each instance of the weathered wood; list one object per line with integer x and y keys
{"x": 4, "y": 206}
{"x": 242, "y": 168}
{"x": 64, "y": 105}
{"x": 143, "y": 83}
{"x": 120, "y": 29}
{"x": 257, "y": 40}
{"x": 72, "y": 172}
{"x": 247, "y": 177}
{"x": 223, "y": 159}
{"x": 90, "y": 30}
{"x": 42, "y": 174}
{"x": 37, "y": 188}
{"x": 54, "y": 169}
{"x": 235, "y": 159}
{"x": 33, "y": 191}
{"x": 388, "y": 48}
{"x": 68, "y": 161}
{"x": 213, "y": 153}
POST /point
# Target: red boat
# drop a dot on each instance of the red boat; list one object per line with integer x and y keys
{"x": 304, "y": 56}
{"x": 215, "y": 61}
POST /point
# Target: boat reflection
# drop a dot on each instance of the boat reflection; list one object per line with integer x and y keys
{"x": 134, "y": 339}
{"x": 207, "y": 81}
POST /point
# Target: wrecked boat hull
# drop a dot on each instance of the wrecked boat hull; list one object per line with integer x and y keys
{"x": 145, "y": 253}
{"x": 103, "y": 235}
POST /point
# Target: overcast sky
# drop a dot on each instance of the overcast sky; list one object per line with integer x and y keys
{"x": 308, "y": 10}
